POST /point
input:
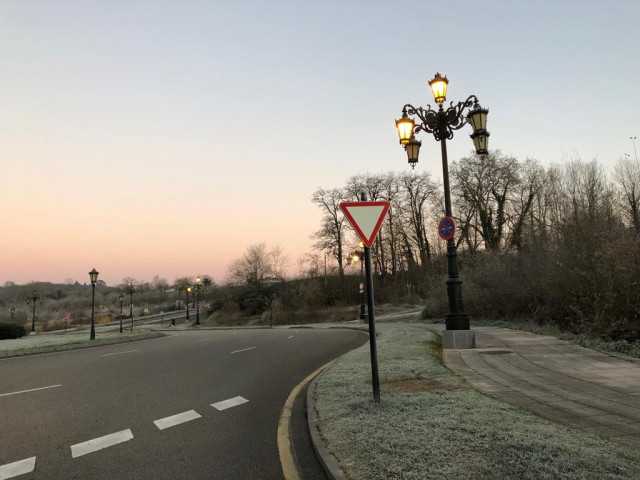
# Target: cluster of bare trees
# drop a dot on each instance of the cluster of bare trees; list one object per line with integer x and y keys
{"x": 563, "y": 239}
{"x": 500, "y": 203}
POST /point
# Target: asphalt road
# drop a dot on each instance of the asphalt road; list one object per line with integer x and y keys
{"x": 95, "y": 398}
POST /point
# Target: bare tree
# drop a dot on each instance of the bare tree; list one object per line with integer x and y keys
{"x": 330, "y": 237}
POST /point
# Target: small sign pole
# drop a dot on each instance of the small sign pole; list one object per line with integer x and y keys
{"x": 375, "y": 379}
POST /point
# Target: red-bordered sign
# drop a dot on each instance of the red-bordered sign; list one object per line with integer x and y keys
{"x": 366, "y": 218}
{"x": 446, "y": 228}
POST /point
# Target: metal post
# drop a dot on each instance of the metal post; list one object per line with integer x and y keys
{"x": 187, "y": 293}
{"x": 131, "y": 307}
{"x": 372, "y": 327}
{"x": 121, "y": 313}
{"x": 198, "y": 304}
{"x": 363, "y": 314}
{"x": 457, "y": 318}
{"x": 92, "y": 335}
{"x": 33, "y": 317}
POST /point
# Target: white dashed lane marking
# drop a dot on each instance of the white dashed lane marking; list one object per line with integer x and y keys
{"x": 14, "y": 469}
{"x": 96, "y": 444}
{"x": 31, "y": 390}
{"x": 232, "y": 402}
{"x": 174, "y": 420}
{"x": 205, "y": 339}
{"x": 118, "y": 353}
{"x": 289, "y": 337}
{"x": 244, "y": 350}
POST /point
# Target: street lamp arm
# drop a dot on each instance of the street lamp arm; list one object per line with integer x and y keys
{"x": 441, "y": 123}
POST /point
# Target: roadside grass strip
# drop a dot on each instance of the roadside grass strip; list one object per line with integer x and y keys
{"x": 232, "y": 402}
{"x": 174, "y": 420}
{"x": 96, "y": 444}
{"x": 431, "y": 424}
{"x": 14, "y": 469}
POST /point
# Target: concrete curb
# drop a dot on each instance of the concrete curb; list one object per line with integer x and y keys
{"x": 75, "y": 346}
{"x": 327, "y": 460}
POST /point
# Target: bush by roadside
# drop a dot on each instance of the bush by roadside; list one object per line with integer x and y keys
{"x": 11, "y": 330}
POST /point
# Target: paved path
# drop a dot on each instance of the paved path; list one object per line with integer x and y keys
{"x": 558, "y": 380}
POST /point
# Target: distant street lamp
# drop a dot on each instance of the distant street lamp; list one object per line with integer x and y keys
{"x": 188, "y": 290}
{"x": 121, "y": 298}
{"x": 130, "y": 289}
{"x": 355, "y": 257}
{"x": 12, "y": 310}
{"x": 633, "y": 139}
{"x": 441, "y": 123}
{"x": 93, "y": 275}
{"x": 198, "y": 300}
{"x": 34, "y": 298}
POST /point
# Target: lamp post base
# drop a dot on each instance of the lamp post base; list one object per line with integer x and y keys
{"x": 458, "y": 339}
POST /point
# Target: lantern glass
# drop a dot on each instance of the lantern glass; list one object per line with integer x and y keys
{"x": 93, "y": 275}
{"x": 405, "y": 129}
{"x": 478, "y": 119}
{"x": 413, "y": 149}
{"x": 355, "y": 258}
{"x": 481, "y": 142}
{"x": 439, "y": 88}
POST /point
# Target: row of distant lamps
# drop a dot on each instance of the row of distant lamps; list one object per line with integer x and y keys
{"x": 93, "y": 276}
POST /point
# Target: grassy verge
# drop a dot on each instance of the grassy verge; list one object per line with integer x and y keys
{"x": 429, "y": 424}
{"x": 32, "y": 345}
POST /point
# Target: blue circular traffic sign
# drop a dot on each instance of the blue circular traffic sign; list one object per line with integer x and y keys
{"x": 446, "y": 228}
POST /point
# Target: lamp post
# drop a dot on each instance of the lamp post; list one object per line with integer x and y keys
{"x": 12, "y": 310}
{"x": 355, "y": 257}
{"x": 130, "y": 290}
{"x": 121, "y": 298}
{"x": 633, "y": 139}
{"x": 441, "y": 123}
{"x": 34, "y": 298}
{"x": 188, "y": 291}
{"x": 198, "y": 300}
{"x": 93, "y": 275}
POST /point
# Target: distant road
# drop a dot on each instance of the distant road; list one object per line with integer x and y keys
{"x": 198, "y": 404}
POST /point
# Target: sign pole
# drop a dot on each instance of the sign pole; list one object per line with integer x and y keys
{"x": 372, "y": 327}
{"x": 375, "y": 380}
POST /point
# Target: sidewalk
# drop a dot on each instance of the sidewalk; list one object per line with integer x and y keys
{"x": 554, "y": 378}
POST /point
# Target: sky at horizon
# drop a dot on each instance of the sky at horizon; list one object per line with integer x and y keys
{"x": 163, "y": 138}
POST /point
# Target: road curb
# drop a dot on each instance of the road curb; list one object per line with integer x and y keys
{"x": 327, "y": 460}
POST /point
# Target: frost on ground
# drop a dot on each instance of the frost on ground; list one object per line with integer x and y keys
{"x": 35, "y": 342}
{"x": 430, "y": 424}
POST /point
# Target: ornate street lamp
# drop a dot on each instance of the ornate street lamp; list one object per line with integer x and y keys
{"x": 121, "y": 298}
{"x": 93, "y": 275}
{"x": 12, "y": 310}
{"x": 130, "y": 290}
{"x": 34, "y": 298}
{"x": 198, "y": 300}
{"x": 441, "y": 123}
{"x": 188, "y": 291}
{"x": 355, "y": 257}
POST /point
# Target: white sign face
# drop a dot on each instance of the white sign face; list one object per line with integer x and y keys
{"x": 366, "y": 218}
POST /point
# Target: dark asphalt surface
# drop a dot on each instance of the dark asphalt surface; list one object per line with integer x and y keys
{"x": 154, "y": 379}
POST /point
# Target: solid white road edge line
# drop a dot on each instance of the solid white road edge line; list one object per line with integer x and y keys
{"x": 232, "y": 402}
{"x": 31, "y": 390}
{"x": 96, "y": 444}
{"x": 118, "y": 353}
{"x": 244, "y": 350}
{"x": 14, "y": 469}
{"x": 174, "y": 420}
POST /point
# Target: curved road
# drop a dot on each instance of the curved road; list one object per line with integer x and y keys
{"x": 197, "y": 404}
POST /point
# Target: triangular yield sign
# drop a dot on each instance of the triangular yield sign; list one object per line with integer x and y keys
{"x": 366, "y": 218}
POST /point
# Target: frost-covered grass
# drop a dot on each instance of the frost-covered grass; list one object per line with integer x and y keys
{"x": 47, "y": 343}
{"x": 450, "y": 431}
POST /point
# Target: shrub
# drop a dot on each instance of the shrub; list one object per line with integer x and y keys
{"x": 11, "y": 330}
